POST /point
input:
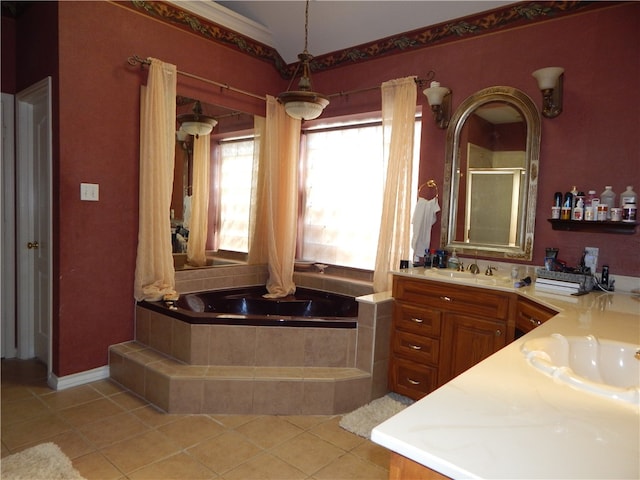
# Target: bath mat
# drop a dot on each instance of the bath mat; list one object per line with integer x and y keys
{"x": 42, "y": 462}
{"x": 364, "y": 419}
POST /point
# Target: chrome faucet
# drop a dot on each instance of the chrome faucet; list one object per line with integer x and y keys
{"x": 461, "y": 266}
{"x": 490, "y": 270}
{"x": 474, "y": 268}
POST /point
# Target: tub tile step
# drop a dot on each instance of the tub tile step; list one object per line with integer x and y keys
{"x": 177, "y": 387}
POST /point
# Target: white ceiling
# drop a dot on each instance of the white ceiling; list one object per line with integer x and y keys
{"x": 333, "y": 24}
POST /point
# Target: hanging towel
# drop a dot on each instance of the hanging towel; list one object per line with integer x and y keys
{"x": 424, "y": 216}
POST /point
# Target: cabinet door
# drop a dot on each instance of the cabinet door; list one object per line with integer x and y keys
{"x": 466, "y": 341}
{"x": 530, "y": 315}
{"x": 411, "y": 379}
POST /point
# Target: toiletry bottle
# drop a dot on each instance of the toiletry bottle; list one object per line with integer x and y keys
{"x": 567, "y": 207}
{"x": 628, "y": 196}
{"x": 591, "y": 206}
{"x": 453, "y": 262}
{"x": 578, "y": 210}
{"x": 608, "y": 197}
{"x": 557, "y": 199}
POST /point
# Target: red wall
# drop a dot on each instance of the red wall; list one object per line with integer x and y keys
{"x": 594, "y": 142}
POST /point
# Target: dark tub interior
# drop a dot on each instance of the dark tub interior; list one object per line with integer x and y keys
{"x": 250, "y": 301}
{"x": 247, "y": 306}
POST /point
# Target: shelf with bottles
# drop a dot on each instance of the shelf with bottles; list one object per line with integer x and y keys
{"x": 628, "y": 228}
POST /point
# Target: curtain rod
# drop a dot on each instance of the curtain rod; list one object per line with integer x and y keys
{"x": 135, "y": 59}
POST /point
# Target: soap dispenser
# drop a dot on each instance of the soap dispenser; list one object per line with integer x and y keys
{"x": 453, "y": 262}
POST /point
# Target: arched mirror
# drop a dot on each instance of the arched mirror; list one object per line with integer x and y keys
{"x": 491, "y": 175}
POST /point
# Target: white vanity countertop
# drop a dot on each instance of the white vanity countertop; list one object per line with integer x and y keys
{"x": 505, "y": 419}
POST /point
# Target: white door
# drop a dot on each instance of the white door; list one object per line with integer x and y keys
{"x": 7, "y": 231}
{"x": 33, "y": 247}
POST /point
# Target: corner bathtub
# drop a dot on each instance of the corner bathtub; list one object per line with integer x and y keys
{"x": 247, "y": 306}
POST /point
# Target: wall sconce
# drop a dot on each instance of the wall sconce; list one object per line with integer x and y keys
{"x": 550, "y": 82}
{"x": 440, "y": 101}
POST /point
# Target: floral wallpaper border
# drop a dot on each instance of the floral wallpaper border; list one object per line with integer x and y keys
{"x": 463, "y": 28}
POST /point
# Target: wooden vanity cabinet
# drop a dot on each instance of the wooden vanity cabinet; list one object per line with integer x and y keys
{"x": 530, "y": 315}
{"x": 441, "y": 329}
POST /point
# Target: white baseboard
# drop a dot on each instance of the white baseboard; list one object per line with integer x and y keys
{"x": 80, "y": 378}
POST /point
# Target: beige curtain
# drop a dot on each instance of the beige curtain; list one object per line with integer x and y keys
{"x": 155, "y": 275}
{"x": 275, "y": 199}
{"x": 257, "y": 218}
{"x": 398, "y": 121}
{"x": 198, "y": 224}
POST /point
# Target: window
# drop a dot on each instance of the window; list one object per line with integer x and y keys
{"x": 236, "y": 167}
{"x": 343, "y": 175}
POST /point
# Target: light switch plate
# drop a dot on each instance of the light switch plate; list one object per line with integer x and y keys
{"x": 89, "y": 192}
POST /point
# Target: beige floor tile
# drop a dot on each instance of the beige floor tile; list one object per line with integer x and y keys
{"x": 306, "y": 422}
{"x": 307, "y": 452}
{"x": 71, "y": 397}
{"x": 33, "y": 431}
{"x": 176, "y": 467}
{"x": 350, "y": 467}
{"x": 72, "y": 444}
{"x": 233, "y": 421}
{"x": 90, "y": 412}
{"x": 333, "y": 433}
{"x": 373, "y": 453}
{"x": 11, "y": 393}
{"x": 140, "y": 451}
{"x": 225, "y": 452}
{"x": 95, "y": 466}
{"x": 106, "y": 387}
{"x": 112, "y": 429}
{"x": 22, "y": 409}
{"x": 265, "y": 467}
{"x": 153, "y": 417}
{"x": 127, "y": 400}
{"x": 191, "y": 430}
{"x": 267, "y": 431}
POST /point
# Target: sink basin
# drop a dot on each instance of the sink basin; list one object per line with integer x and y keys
{"x": 475, "y": 278}
{"x": 603, "y": 367}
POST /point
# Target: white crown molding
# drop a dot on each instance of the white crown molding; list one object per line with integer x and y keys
{"x": 227, "y": 18}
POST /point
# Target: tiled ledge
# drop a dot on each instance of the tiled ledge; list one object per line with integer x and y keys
{"x": 179, "y": 388}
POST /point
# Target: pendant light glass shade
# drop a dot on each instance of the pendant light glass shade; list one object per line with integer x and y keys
{"x": 304, "y": 104}
{"x": 196, "y": 123}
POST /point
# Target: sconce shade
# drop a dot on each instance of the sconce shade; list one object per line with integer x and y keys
{"x": 550, "y": 82}
{"x": 435, "y": 93}
{"x": 548, "y": 77}
{"x": 196, "y": 123}
{"x": 439, "y": 99}
{"x": 181, "y": 135}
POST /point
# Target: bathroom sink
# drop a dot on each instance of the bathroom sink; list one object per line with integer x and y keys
{"x": 472, "y": 277}
{"x": 603, "y": 367}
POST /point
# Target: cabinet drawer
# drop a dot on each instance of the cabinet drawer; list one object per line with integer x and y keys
{"x": 531, "y": 315}
{"x": 411, "y": 379}
{"x": 416, "y": 348}
{"x": 417, "y": 319}
{"x": 452, "y": 298}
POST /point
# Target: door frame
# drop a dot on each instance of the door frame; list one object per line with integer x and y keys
{"x": 8, "y": 228}
{"x": 39, "y": 92}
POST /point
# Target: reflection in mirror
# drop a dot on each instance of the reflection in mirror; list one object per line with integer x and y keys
{"x": 231, "y": 124}
{"x": 491, "y": 171}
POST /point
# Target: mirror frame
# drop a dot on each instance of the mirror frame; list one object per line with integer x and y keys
{"x": 522, "y": 102}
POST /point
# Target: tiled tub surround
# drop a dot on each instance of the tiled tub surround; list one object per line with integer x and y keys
{"x": 189, "y": 368}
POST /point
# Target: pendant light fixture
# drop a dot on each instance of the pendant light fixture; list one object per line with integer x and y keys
{"x": 303, "y": 104}
{"x": 196, "y": 123}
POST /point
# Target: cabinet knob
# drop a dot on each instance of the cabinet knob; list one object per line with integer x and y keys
{"x": 413, "y": 382}
{"x": 535, "y": 322}
{"x": 498, "y": 332}
{"x": 416, "y": 320}
{"x": 446, "y": 299}
{"x": 415, "y": 347}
